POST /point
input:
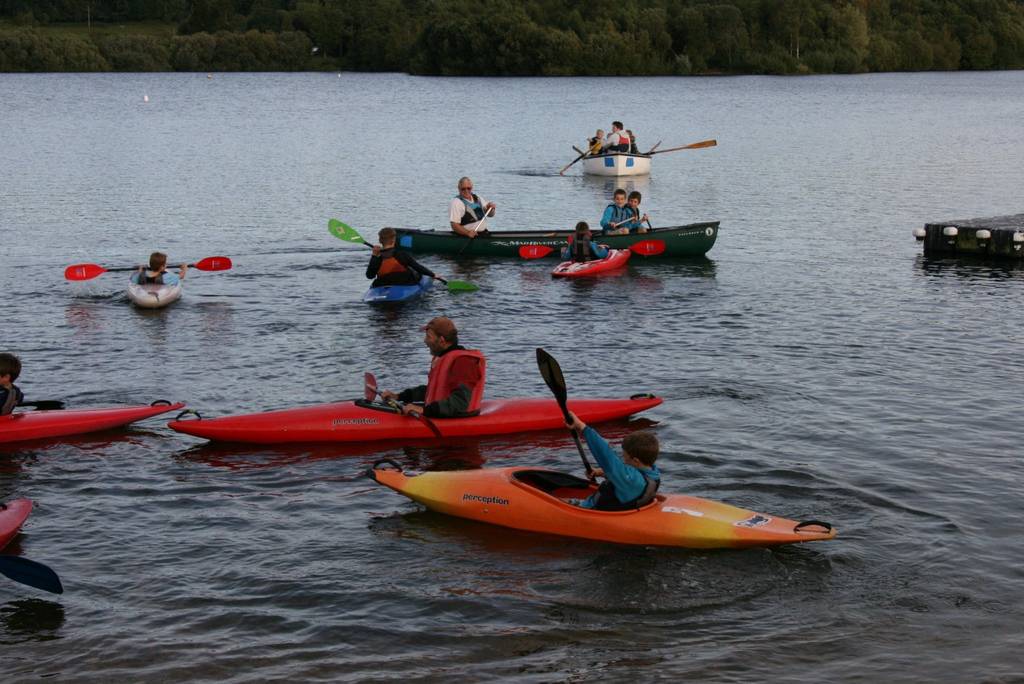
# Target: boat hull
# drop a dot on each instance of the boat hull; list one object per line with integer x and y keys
{"x": 397, "y": 293}
{"x": 19, "y": 427}
{"x": 534, "y": 500}
{"x": 351, "y": 421}
{"x": 153, "y": 296}
{"x": 615, "y": 260}
{"x": 12, "y": 516}
{"x": 620, "y": 164}
{"x": 690, "y": 240}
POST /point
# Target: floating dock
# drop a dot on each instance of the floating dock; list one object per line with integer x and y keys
{"x": 999, "y": 237}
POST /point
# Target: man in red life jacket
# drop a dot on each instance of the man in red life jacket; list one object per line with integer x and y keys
{"x": 455, "y": 383}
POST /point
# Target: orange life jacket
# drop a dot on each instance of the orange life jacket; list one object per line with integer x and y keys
{"x": 390, "y": 264}
{"x": 441, "y": 382}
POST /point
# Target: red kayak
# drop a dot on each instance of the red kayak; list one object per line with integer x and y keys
{"x": 616, "y": 258}
{"x": 18, "y": 427}
{"x": 12, "y": 516}
{"x": 361, "y": 421}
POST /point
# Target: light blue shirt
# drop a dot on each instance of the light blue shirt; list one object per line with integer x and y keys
{"x": 628, "y": 480}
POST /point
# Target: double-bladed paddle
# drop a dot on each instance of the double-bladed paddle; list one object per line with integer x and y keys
{"x": 30, "y": 572}
{"x": 345, "y": 232}
{"x": 370, "y": 391}
{"x": 90, "y": 271}
{"x": 643, "y": 248}
{"x": 692, "y": 146}
{"x": 552, "y": 374}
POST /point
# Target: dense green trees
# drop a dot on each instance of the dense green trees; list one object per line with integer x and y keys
{"x": 534, "y": 37}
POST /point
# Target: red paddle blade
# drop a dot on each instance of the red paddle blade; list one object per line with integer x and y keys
{"x": 369, "y": 386}
{"x": 535, "y": 251}
{"x": 214, "y": 263}
{"x": 83, "y": 271}
{"x": 648, "y": 247}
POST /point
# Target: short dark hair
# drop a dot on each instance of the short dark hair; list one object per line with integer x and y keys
{"x": 617, "y": 123}
{"x": 635, "y": 195}
{"x": 619, "y": 191}
{"x": 157, "y": 260}
{"x": 643, "y": 446}
{"x": 387, "y": 234}
{"x": 10, "y": 365}
{"x": 582, "y": 227}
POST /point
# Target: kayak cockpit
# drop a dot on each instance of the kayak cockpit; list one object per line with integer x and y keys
{"x": 562, "y": 486}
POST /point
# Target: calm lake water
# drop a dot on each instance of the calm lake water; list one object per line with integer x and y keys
{"x": 814, "y": 366}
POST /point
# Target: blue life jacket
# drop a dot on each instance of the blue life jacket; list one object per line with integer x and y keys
{"x": 621, "y": 214}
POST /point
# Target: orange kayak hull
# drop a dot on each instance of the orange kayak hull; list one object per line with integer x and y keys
{"x": 534, "y": 500}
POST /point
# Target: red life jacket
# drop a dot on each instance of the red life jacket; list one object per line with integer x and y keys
{"x": 390, "y": 264}
{"x": 441, "y": 382}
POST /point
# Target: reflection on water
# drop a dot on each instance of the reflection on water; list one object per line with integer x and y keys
{"x": 30, "y": 620}
{"x": 970, "y": 267}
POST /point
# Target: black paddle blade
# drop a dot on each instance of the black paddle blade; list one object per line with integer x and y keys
{"x": 45, "y": 405}
{"x": 552, "y": 374}
{"x": 30, "y": 572}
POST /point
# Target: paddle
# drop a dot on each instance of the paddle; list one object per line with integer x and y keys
{"x": 694, "y": 146}
{"x": 643, "y": 248}
{"x": 44, "y": 405}
{"x": 90, "y": 271}
{"x": 651, "y": 151}
{"x": 30, "y": 572}
{"x": 566, "y": 167}
{"x": 552, "y": 374}
{"x": 370, "y": 391}
{"x": 345, "y": 232}
{"x": 469, "y": 241}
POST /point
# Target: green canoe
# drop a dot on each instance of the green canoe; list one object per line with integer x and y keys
{"x": 690, "y": 240}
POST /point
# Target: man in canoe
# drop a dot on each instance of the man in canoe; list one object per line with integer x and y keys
{"x": 629, "y": 482}
{"x": 617, "y": 215}
{"x": 467, "y": 212}
{"x": 390, "y": 266}
{"x": 157, "y": 272}
{"x": 455, "y": 383}
{"x": 10, "y": 394}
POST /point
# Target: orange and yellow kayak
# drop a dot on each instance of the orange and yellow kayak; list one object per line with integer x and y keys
{"x": 535, "y": 500}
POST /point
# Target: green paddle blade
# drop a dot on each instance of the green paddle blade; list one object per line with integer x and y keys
{"x": 461, "y": 286}
{"x": 345, "y": 232}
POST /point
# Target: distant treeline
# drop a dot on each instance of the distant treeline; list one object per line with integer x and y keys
{"x": 502, "y": 37}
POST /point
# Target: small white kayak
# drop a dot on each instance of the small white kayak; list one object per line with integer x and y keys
{"x": 153, "y": 296}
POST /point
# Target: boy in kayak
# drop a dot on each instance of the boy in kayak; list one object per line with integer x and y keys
{"x": 580, "y": 247}
{"x": 455, "y": 383}
{"x": 617, "y": 215}
{"x": 157, "y": 272}
{"x": 629, "y": 482}
{"x": 389, "y": 266}
{"x": 10, "y": 394}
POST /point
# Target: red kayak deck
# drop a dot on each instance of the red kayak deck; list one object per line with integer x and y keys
{"x": 12, "y": 516}
{"x": 616, "y": 259}
{"x": 348, "y": 422}
{"x": 19, "y": 427}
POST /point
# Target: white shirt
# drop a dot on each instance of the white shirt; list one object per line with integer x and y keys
{"x": 616, "y": 138}
{"x": 457, "y": 209}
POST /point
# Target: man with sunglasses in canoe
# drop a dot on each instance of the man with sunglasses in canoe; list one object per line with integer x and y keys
{"x": 467, "y": 212}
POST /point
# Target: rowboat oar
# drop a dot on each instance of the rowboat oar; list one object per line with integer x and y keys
{"x": 651, "y": 151}
{"x": 345, "y": 232}
{"x": 90, "y": 271}
{"x": 694, "y": 146}
{"x": 566, "y": 167}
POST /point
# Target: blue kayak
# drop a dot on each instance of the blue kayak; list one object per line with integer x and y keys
{"x": 398, "y": 293}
